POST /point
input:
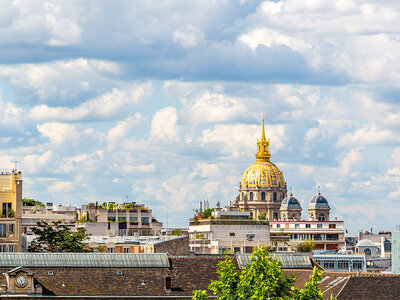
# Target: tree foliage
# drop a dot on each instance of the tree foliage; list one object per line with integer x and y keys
{"x": 57, "y": 237}
{"x": 262, "y": 216}
{"x": 177, "y": 232}
{"x": 262, "y": 279}
{"x": 306, "y": 246}
{"x": 31, "y": 202}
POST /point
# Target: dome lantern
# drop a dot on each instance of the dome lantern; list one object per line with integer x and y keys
{"x": 263, "y": 146}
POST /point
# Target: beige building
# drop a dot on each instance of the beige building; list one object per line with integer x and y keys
{"x": 173, "y": 245}
{"x": 117, "y": 220}
{"x": 47, "y": 213}
{"x": 11, "y": 211}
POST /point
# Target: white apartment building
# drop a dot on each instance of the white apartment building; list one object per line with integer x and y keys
{"x": 229, "y": 230}
{"x": 327, "y": 235}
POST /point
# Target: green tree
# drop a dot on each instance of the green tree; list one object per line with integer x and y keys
{"x": 306, "y": 246}
{"x": 57, "y": 237}
{"x": 31, "y": 202}
{"x": 200, "y": 295}
{"x": 262, "y": 279}
{"x": 177, "y": 232}
{"x": 262, "y": 216}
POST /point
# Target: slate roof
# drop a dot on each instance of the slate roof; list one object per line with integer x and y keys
{"x": 188, "y": 273}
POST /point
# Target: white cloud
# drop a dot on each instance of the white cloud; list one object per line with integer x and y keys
{"x": 368, "y": 135}
{"x": 214, "y": 108}
{"x": 60, "y": 187}
{"x": 189, "y": 37}
{"x": 240, "y": 140}
{"x": 164, "y": 125}
{"x": 111, "y": 105}
{"x": 63, "y": 31}
{"x": 64, "y": 79}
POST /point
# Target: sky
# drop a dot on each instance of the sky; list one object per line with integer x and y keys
{"x": 160, "y": 102}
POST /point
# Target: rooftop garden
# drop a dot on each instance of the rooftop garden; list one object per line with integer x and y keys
{"x": 31, "y": 202}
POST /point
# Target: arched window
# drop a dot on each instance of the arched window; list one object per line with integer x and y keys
{"x": 275, "y": 196}
{"x": 367, "y": 251}
{"x": 251, "y": 196}
{"x": 321, "y": 218}
{"x": 242, "y": 195}
{"x": 263, "y": 196}
{"x": 265, "y": 148}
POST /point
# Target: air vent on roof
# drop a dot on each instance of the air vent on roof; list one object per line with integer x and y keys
{"x": 51, "y": 273}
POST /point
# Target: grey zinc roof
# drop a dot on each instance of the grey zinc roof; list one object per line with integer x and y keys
{"x": 113, "y": 260}
{"x": 289, "y": 261}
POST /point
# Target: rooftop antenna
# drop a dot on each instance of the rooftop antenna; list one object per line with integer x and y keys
{"x": 15, "y": 165}
{"x": 319, "y": 189}
{"x": 167, "y": 219}
{"x": 291, "y": 194}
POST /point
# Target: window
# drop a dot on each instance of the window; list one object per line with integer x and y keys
{"x": 296, "y": 225}
{"x": 133, "y": 220}
{"x": 275, "y": 216}
{"x": 357, "y": 266}
{"x": 126, "y": 250}
{"x": 308, "y": 225}
{"x": 248, "y": 249}
{"x": 328, "y": 265}
{"x": 2, "y": 248}
{"x": 231, "y": 234}
{"x": 332, "y": 237}
{"x": 10, "y": 248}
{"x": 332, "y": 225}
{"x": 263, "y": 196}
{"x": 278, "y": 225}
{"x": 367, "y": 252}
{"x": 318, "y": 237}
{"x": 236, "y": 249}
{"x": 2, "y": 229}
{"x": 121, "y": 219}
{"x": 275, "y": 196}
{"x": 10, "y": 228}
{"x": 111, "y": 219}
{"x": 319, "y": 225}
{"x": 7, "y": 207}
{"x": 50, "y": 273}
{"x": 321, "y": 218}
{"x": 110, "y": 250}
{"x": 145, "y": 220}
{"x": 343, "y": 266}
{"x": 251, "y": 196}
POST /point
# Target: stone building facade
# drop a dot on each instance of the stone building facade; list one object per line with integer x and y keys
{"x": 11, "y": 211}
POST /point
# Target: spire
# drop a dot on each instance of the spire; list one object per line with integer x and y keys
{"x": 263, "y": 146}
{"x": 263, "y": 130}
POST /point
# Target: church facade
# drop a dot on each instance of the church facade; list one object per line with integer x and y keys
{"x": 263, "y": 191}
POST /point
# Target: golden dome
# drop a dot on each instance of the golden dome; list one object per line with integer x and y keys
{"x": 263, "y": 173}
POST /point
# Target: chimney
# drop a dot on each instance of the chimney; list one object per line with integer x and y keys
{"x": 167, "y": 284}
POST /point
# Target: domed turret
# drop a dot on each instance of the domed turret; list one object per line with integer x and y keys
{"x": 318, "y": 209}
{"x": 262, "y": 187}
{"x": 290, "y": 208}
{"x": 318, "y": 201}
